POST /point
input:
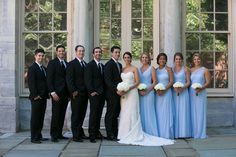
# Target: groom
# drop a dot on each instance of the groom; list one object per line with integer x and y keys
{"x": 112, "y": 77}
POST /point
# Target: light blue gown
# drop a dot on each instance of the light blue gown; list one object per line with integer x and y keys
{"x": 182, "y": 121}
{"x": 198, "y": 105}
{"x": 147, "y": 104}
{"x": 164, "y": 107}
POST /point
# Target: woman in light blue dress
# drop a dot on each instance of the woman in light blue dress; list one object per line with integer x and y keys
{"x": 164, "y": 101}
{"x": 147, "y": 76}
{"x": 182, "y": 122}
{"x": 198, "y": 97}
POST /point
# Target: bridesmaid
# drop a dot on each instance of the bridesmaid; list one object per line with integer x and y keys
{"x": 182, "y": 121}
{"x": 147, "y": 76}
{"x": 198, "y": 97}
{"x": 164, "y": 102}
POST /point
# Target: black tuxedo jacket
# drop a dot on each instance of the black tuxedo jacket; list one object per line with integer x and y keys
{"x": 94, "y": 79}
{"x": 112, "y": 76}
{"x": 37, "y": 82}
{"x": 75, "y": 77}
{"x": 56, "y": 77}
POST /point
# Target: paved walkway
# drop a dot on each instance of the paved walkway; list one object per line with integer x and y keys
{"x": 221, "y": 143}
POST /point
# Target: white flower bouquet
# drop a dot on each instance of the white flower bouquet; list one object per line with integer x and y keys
{"x": 142, "y": 86}
{"x": 159, "y": 86}
{"x": 196, "y": 86}
{"x": 122, "y": 86}
{"x": 178, "y": 85}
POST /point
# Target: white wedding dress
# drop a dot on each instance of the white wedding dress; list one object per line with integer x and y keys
{"x": 130, "y": 128}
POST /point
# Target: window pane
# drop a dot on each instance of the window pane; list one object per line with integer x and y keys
{"x": 147, "y": 8}
{"x": 207, "y": 41}
{"x": 60, "y": 21}
{"x": 116, "y": 29}
{"x": 45, "y": 21}
{"x": 104, "y": 44}
{"x": 207, "y": 22}
{"x": 104, "y": 9}
{"x": 192, "y": 21}
{"x": 221, "y": 61}
{"x": 222, "y": 22}
{"x": 136, "y": 48}
{"x": 45, "y": 41}
{"x": 45, "y": 5}
{"x": 104, "y": 28}
{"x": 60, "y": 5}
{"x": 221, "y": 42}
{"x": 31, "y": 22}
{"x": 207, "y": 59}
{"x": 116, "y": 42}
{"x": 136, "y": 29}
{"x": 148, "y": 47}
{"x": 147, "y": 29}
{"x": 207, "y": 6}
{"x": 221, "y": 79}
{"x": 116, "y": 8}
{"x": 31, "y": 42}
{"x": 60, "y": 39}
{"x": 192, "y": 41}
{"x": 221, "y": 5}
{"x": 136, "y": 9}
{"x": 193, "y": 5}
{"x": 31, "y": 6}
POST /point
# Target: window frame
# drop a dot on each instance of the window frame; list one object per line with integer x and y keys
{"x": 215, "y": 92}
{"x": 24, "y": 92}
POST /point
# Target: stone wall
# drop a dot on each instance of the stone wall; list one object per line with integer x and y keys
{"x": 8, "y": 85}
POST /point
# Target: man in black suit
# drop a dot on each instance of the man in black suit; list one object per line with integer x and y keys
{"x": 78, "y": 92}
{"x": 56, "y": 79}
{"x": 38, "y": 95}
{"x": 112, "y": 77}
{"x": 94, "y": 81}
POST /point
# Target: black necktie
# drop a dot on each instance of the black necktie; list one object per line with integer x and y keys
{"x": 100, "y": 67}
{"x": 42, "y": 70}
{"x": 82, "y": 65}
{"x": 118, "y": 66}
{"x": 62, "y": 65}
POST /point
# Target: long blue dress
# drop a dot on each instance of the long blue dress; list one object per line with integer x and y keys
{"x": 198, "y": 105}
{"x": 182, "y": 121}
{"x": 164, "y": 107}
{"x": 147, "y": 104}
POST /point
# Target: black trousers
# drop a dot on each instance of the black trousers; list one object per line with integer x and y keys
{"x": 58, "y": 116}
{"x": 78, "y": 107}
{"x": 112, "y": 114}
{"x": 96, "y": 108}
{"x": 38, "y": 108}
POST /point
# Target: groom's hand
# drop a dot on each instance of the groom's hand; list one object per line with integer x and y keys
{"x": 94, "y": 93}
{"x": 120, "y": 93}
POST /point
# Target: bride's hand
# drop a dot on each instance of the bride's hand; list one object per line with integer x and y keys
{"x": 120, "y": 93}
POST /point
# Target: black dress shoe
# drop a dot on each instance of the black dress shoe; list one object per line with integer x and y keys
{"x": 99, "y": 136}
{"x": 44, "y": 139}
{"x": 63, "y": 138}
{"x": 84, "y": 137}
{"x": 54, "y": 140}
{"x": 77, "y": 139}
{"x": 92, "y": 140}
{"x": 36, "y": 141}
{"x": 109, "y": 138}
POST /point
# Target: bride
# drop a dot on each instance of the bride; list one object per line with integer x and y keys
{"x": 130, "y": 128}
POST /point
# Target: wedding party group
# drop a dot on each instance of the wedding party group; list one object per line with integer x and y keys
{"x": 144, "y": 106}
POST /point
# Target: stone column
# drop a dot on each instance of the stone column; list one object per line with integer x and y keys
{"x": 170, "y": 27}
{"x": 8, "y": 79}
{"x": 83, "y": 26}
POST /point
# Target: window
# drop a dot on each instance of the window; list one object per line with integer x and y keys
{"x": 207, "y": 31}
{"x": 129, "y": 24}
{"x": 44, "y": 25}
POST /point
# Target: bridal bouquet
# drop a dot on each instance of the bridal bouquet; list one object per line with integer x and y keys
{"x": 196, "y": 86}
{"x": 142, "y": 86}
{"x": 178, "y": 85}
{"x": 159, "y": 86}
{"x": 123, "y": 86}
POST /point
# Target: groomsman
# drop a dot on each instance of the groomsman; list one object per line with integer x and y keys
{"x": 112, "y": 77}
{"x": 94, "y": 81}
{"x": 56, "y": 79}
{"x": 78, "y": 93}
{"x": 38, "y": 96}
